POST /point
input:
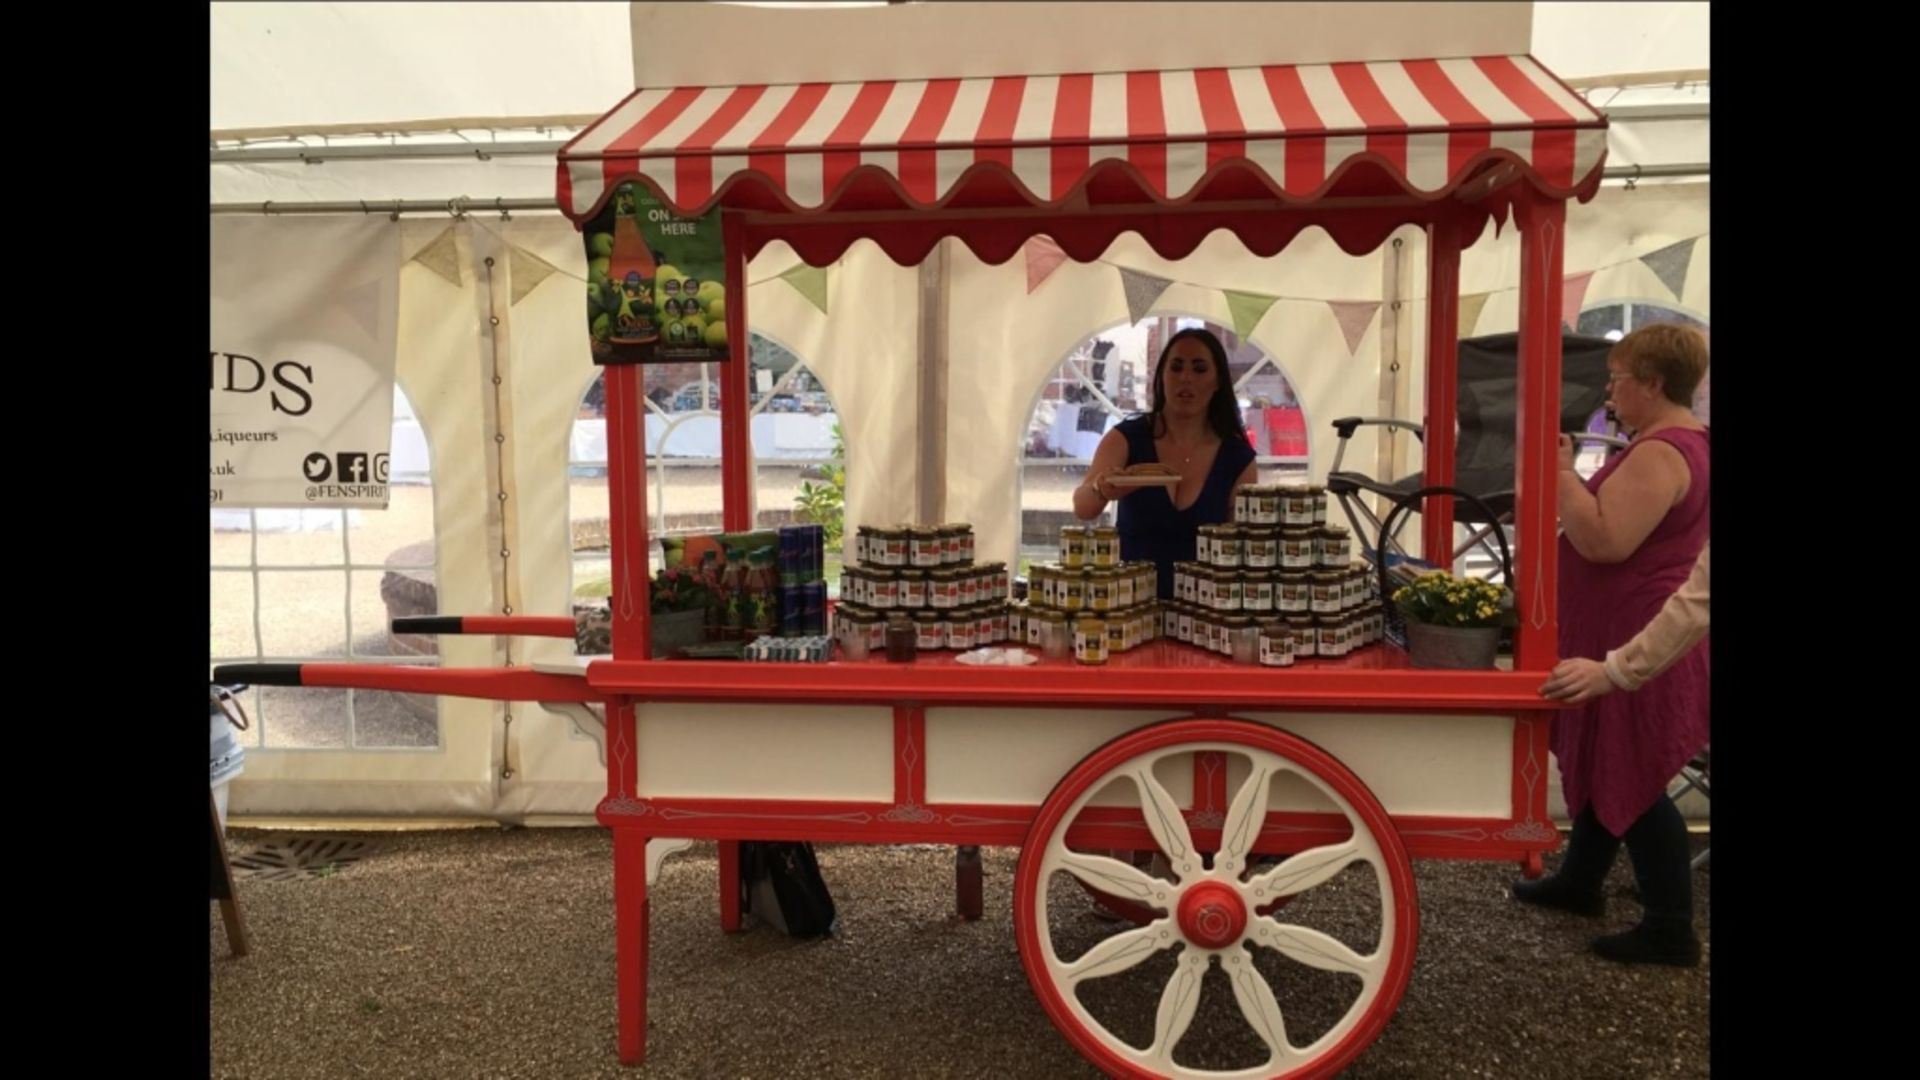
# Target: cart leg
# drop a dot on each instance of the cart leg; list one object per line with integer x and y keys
{"x": 630, "y": 942}
{"x": 730, "y": 886}
{"x": 969, "y": 880}
{"x": 1532, "y": 867}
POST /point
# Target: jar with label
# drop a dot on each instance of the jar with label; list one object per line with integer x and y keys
{"x": 1073, "y": 547}
{"x": 931, "y": 630}
{"x": 1256, "y": 591}
{"x": 1306, "y": 636}
{"x": 893, "y": 547}
{"x": 1293, "y": 593}
{"x": 1262, "y": 549}
{"x": 1243, "y": 640}
{"x": 1183, "y": 582}
{"x": 1326, "y": 591}
{"x": 1056, "y": 636}
{"x": 1332, "y": 631}
{"x": 863, "y": 546}
{"x": 1227, "y": 590}
{"x": 1268, "y": 507}
{"x": 1123, "y": 581}
{"x": 1090, "y": 639}
{"x": 1040, "y": 586}
{"x": 1103, "y": 547}
{"x": 1071, "y": 591}
{"x": 1116, "y": 624}
{"x": 1229, "y": 549}
{"x": 1205, "y": 587}
{"x": 942, "y": 592}
{"x": 1002, "y": 620}
{"x": 1223, "y": 634}
{"x": 1146, "y": 582}
{"x": 1355, "y": 595}
{"x": 913, "y": 589}
{"x": 1016, "y": 622}
{"x": 853, "y": 586}
{"x": 926, "y": 548}
{"x": 960, "y": 626}
{"x": 965, "y": 553}
{"x": 969, "y": 582}
{"x": 1183, "y": 626}
{"x": 997, "y": 579}
{"x": 883, "y": 590}
{"x": 1334, "y": 547}
{"x": 1170, "y": 621}
{"x": 1276, "y": 645}
{"x": 1245, "y": 504}
{"x": 1100, "y": 591}
{"x": 1296, "y": 506}
{"x": 1297, "y": 548}
{"x": 1319, "y": 496}
{"x": 1035, "y": 618}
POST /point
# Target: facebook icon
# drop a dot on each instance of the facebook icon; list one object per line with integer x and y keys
{"x": 353, "y": 468}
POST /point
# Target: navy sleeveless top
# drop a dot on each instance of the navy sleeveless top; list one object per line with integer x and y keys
{"x": 1151, "y": 527}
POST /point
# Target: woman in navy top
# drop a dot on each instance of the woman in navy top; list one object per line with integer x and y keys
{"x": 1195, "y": 429}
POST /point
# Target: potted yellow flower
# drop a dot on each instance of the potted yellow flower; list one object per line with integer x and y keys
{"x": 1454, "y": 622}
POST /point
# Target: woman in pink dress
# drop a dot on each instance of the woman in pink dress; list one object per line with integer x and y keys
{"x": 1630, "y": 537}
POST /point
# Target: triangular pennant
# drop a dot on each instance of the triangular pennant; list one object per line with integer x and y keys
{"x": 362, "y": 305}
{"x": 1043, "y": 258}
{"x": 528, "y": 271}
{"x": 1573, "y": 294}
{"x": 810, "y": 282}
{"x": 1470, "y": 307}
{"x": 1248, "y": 309}
{"x": 442, "y": 256}
{"x": 1670, "y": 264}
{"x": 1354, "y": 317}
{"x": 1142, "y": 290}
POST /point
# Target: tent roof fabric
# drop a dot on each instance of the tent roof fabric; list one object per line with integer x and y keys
{"x": 1413, "y": 130}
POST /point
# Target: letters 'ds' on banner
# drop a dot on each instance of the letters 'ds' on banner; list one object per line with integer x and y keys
{"x": 656, "y": 282}
{"x": 304, "y": 322}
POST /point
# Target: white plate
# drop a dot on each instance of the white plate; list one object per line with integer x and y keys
{"x": 1169, "y": 480}
{"x": 986, "y": 658}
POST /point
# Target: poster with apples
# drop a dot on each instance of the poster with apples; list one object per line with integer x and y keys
{"x": 656, "y": 291}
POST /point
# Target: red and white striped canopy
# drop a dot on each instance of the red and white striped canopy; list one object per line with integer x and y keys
{"x": 1410, "y": 128}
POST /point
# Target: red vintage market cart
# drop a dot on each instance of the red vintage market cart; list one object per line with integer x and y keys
{"x": 1344, "y": 766}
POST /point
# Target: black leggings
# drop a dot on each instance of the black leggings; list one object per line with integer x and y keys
{"x": 1662, "y": 859}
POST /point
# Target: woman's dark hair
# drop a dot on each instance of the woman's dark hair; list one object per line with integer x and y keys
{"x": 1223, "y": 409}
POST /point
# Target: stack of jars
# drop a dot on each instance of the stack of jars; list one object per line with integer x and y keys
{"x": 928, "y": 575}
{"x": 1277, "y": 584}
{"x": 1090, "y": 603}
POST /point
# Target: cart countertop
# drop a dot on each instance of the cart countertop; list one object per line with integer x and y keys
{"x": 1159, "y": 673}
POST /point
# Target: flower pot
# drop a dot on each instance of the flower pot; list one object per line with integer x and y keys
{"x": 1452, "y": 646}
{"x": 675, "y": 630}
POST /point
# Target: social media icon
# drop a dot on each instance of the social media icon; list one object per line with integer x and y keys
{"x": 317, "y": 467}
{"x": 354, "y": 467}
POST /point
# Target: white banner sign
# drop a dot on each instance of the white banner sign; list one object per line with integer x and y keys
{"x": 305, "y": 314}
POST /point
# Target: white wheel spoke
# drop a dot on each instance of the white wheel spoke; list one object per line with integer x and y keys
{"x": 1165, "y": 822}
{"x": 1245, "y": 816}
{"x": 1177, "y": 1004}
{"x": 1118, "y": 953}
{"x": 1115, "y": 878}
{"x": 1315, "y": 949}
{"x": 1314, "y": 866}
{"x": 1250, "y": 989}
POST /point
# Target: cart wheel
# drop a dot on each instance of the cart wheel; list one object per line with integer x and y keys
{"x": 1214, "y": 912}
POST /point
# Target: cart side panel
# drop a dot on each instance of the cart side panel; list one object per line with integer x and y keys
{"x": 1418, "y": 766}
{"x": 824, "y": 752}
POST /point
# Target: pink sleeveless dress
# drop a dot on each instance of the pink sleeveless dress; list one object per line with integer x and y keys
{"x": 1618, "y": 752}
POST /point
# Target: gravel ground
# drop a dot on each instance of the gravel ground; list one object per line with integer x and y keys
{"x": 489, "y": 953}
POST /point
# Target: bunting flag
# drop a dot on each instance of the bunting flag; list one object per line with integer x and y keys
{"x": 1248, "y": 309}
{"x": 528, "y": 271}
{"x": 1354, "y": 317}
{"x": 1470, "y": 307}
{"x": 1573, "y": 292}
{"x": 1670, "y": 264}
{"x": 810, "y": 282}
{"x": 1043, "y": 258}
{"x": 1142, "y": 290}
{"x": 442, "y": 256}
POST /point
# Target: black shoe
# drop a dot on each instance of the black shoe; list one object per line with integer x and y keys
{"x": 1555, "y": 892}
{"x": 1657, "y": 943}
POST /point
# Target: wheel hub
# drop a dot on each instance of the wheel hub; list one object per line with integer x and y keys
{"x": 1212, "y": 915}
